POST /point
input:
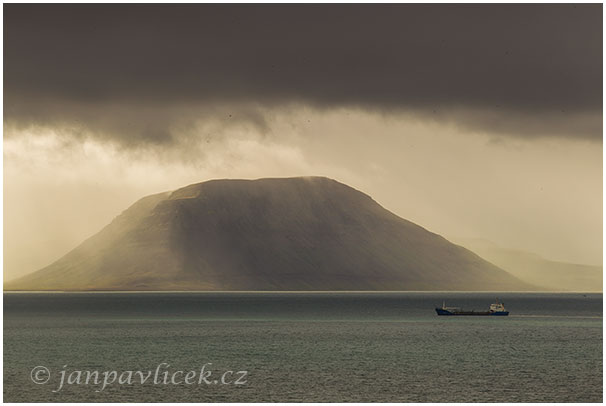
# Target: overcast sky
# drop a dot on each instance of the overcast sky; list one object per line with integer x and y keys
{"x": 479, "y": 121}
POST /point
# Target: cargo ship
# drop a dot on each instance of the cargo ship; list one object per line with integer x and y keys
{"x": 496, "y": 309}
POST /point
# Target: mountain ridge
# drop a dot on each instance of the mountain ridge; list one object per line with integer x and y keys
{"x": 537, "y": 270}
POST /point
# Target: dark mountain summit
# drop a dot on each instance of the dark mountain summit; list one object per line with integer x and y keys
{"x": 306, "y": 233}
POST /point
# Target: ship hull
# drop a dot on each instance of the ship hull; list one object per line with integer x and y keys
{"x": 444, "y": 312}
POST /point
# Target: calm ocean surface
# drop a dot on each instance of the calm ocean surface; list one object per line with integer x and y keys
{"x": 365, "y": 347}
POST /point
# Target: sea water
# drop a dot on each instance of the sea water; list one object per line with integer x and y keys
{"x": 290, "y": 347}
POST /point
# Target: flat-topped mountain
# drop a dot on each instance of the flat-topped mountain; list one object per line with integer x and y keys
{"x": 306, "y": 233}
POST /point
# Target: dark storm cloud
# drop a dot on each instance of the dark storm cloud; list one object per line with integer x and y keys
{"x": 516, "y": 60}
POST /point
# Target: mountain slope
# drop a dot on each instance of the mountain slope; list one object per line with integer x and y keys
{"x": 269, "y": 234}
{"x": 532, "y": 268}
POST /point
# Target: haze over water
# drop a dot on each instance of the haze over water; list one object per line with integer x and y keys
{"x": 309, "y": 346}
